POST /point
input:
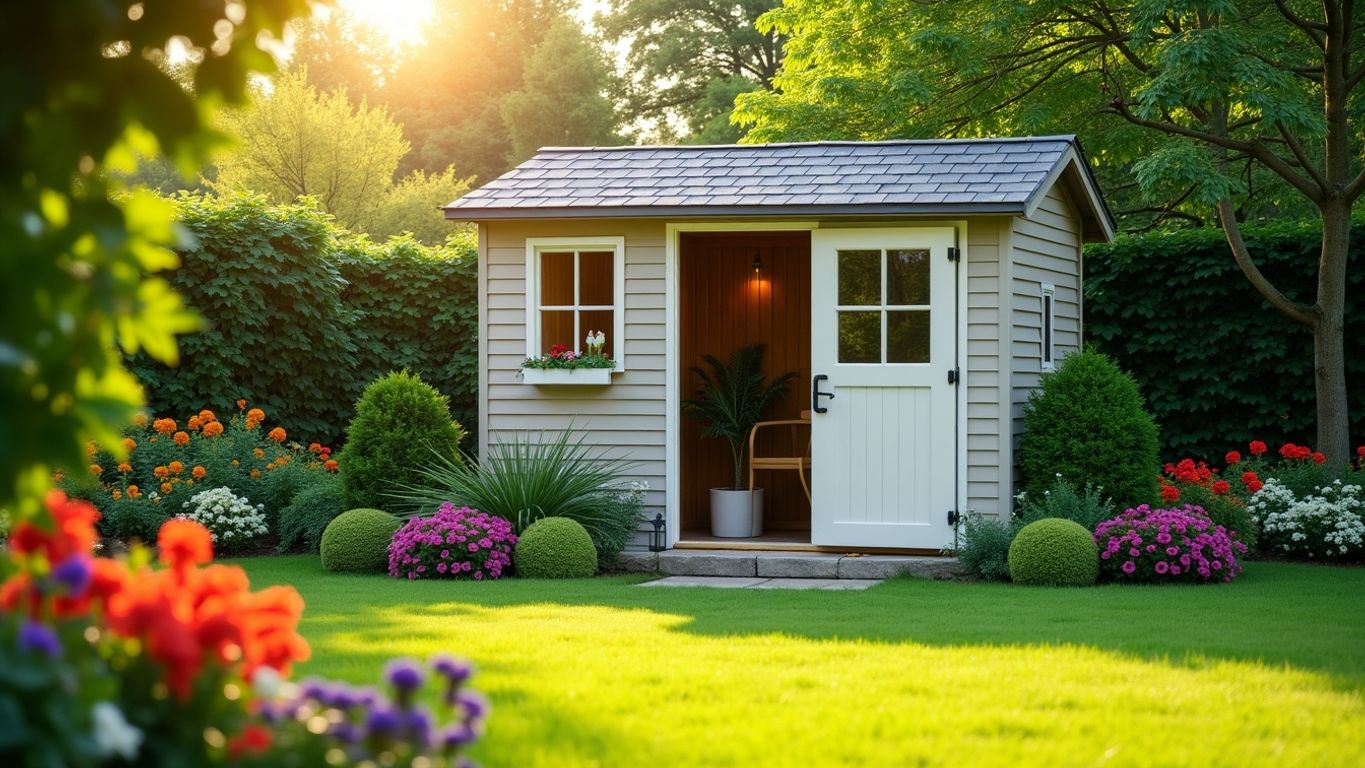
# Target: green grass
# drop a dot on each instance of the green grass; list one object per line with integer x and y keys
{"x": 1269, "y": 670}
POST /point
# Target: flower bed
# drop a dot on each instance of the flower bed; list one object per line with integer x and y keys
{"x": 1325, "y": 523}
{"x": 454, "y": 543}
{"x": 1167, "y": 545}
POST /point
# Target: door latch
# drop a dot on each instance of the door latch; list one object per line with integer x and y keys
{"x": 816, "y": 394}
{"x": 954, "y": 375}
{"x": 954, "y": 517}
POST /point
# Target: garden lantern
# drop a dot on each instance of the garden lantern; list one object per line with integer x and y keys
{"x": 657, "y": 538}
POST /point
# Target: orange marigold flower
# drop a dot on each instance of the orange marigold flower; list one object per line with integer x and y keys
{"x": 183, "y": 543}
{"x": 241, "y": 405}
{"x": 258, "y": 453}
{"x": 198, "y": 472}
{"x": 166, "y": 488}
{"x": 254, "y": 472}
{"x": 330, "y": 465}
{"x": 315, "y": 448}
{"x": 182, "y": 438}
{"x": 96, "y": 469}
{"x": 129, "y": 443}
{"x": 125, "y": 467}
{"x": 117, "y": 495}
{"x": 176, "y": 467}
{"x": 164, "y": 426}
{"x": 213, "y": 429}
{"x": 140, "y": 420}
{"x": 235, "y": 463}
{"x": 206, "y": 416}
{"x": 277, "y": 434}
{"x": 194, "y": 423}
{"x": 91, "y": 449}
{"x": 256, "y": 414}
{"x": 160, "y": 471}
{"x": 134, "y": 492}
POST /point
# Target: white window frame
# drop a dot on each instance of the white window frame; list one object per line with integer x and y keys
{"x": 535, "y": 246}
{"x": 1047, "y": 327}
{"x": 883, "y": 307}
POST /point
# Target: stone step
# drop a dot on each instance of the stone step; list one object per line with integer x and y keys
{"x": 783, "y": 565}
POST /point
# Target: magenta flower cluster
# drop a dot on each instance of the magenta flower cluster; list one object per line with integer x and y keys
{"x": 454, "y": 543}
{"x": 1163, "y": 545}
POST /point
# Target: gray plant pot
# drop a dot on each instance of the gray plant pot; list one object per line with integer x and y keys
{"x": 732, "y": 514}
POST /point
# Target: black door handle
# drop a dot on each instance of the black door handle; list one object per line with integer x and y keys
{"x": 816, "y": 394}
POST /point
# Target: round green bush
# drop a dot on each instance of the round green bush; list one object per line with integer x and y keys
{"x": 313, "y": 509}
{"x": 555, "y": 548}
{"x": 1054, "y": 553}
{"x": 1088, "y": 424}
{"x": 399, "y": 422}
{"x": 358, "y": 541}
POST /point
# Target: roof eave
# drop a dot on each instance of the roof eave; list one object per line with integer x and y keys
{"x": 731, "y": 211}
{"x": 1099, "y": 214}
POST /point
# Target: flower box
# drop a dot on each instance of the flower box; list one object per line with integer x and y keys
{"x": 573, "y": 376}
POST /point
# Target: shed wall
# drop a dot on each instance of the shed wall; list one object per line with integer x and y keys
{"x": 988, "y": 444}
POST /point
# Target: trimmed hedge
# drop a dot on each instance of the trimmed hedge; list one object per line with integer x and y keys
{"x": 1218, "y": 365}
{"x": 555, "y": 548}
{"x": 358, "y": 541}
{"x": 302, "y": 315}
{"x": 1054, "y": 553}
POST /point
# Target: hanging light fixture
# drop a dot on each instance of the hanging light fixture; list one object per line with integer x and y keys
{"x": 758, "y": 264}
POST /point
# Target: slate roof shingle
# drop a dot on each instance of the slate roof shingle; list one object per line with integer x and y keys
{"x": 964, "y": 175}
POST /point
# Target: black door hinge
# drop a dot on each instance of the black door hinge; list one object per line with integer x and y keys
{"x": 954, "y": 375}
{"x": 953, "y": 517}
{"x": 954, "y": 254}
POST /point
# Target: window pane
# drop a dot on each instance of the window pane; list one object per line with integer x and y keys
{"x": 860, "y": 278}
{"x": 595, "y": 287}
{"x": 860, "y": 337}
{"x": 556, "y": 279}
{"x": 907, "y": 277}
{"x": 556, "y": 327}
{"x": 596, "y": 320}
{"x": 907, "y": 336}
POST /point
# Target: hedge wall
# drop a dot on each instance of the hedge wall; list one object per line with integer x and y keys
{"x": 301, "y": 315}
{"x": 1217, "y": 364}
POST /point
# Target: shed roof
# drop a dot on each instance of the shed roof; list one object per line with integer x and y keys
{"x": 834, "y": 178}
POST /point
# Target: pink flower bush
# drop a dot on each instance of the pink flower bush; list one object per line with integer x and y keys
{"x": 454, "y": 543}
{"x": 1165, "y": 545}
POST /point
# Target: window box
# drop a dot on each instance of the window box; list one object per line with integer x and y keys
{"x": 596, "y": 377}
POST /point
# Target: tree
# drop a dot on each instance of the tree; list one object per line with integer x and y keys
{"x": 414, "y": 205}
{"x": 87, "y": 94}
{"x": 690, "y": 59}
{"x": 562, "y": 99}
{"x": 1211, "y": 96}
{"x": 340, "y": 51}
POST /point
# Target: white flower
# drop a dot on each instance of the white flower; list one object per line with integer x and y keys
{"x": 266, "y": 682}
{"x": 113, "y": 734}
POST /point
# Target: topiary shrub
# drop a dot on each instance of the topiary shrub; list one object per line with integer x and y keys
{"x": 401, "y": 424}
{"x": 303, "y": 521}
{"x": 555, "y": 548}
{"x": 1054, "y": 553}
{"x": 358, "y": 541}
{"x": 1087, "y": 423}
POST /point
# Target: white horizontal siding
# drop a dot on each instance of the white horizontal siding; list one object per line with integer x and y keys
{"x": 982, "y": 267}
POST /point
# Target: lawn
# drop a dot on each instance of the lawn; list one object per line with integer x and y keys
{"x": 1269, "y": 670}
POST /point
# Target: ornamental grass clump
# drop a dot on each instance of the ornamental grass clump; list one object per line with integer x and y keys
{"x": 1167, "y": 545}
{"x": 454, "y": 543}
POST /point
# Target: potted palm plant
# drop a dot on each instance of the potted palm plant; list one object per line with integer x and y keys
{"x": 732, "y": 398}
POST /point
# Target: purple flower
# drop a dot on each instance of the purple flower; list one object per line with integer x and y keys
{"x": 1162, "y": 566}
{"x": 75, "y": 572}
{"x": 1129, "y": 566}
{"x": 473, "y": 705}
{"x": 382, "y": 721}
{"x": 39, "y": 638}
{"x": 457, "y": 735}
{"x": 406, "y": 675}
{"x": 453, "y": 669}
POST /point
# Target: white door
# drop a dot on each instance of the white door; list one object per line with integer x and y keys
{"x": 883, "y": 317}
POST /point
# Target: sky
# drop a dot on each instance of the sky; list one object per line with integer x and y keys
{"x": 403, "y": 20}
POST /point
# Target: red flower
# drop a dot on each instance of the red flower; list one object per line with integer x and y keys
{"x": 1170, "y": 493}
{"x": 184, "y": 543}
{"x": 253, "y": 740}
{"x": 330, "y": 465}
{"x": 1249, "y": 477}
{"x": 1233, "y": 457}
{"x": 74, "y": 530}
{"x": 557, "y": 351}
{"x": 1221, "y": 487}
{"x": 1319, "y": 458}
{"x": 1360, "y": 451}
{"x": 1257, "y": 448}
{"x": 1255, "y": 486}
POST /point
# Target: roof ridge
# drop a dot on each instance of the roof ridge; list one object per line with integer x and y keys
{"x": 1067, "y": 137}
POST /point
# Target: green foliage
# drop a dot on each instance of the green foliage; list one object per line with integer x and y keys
{"x": 1087, "y": 424}
{"x": 357, "y": 541}
{"x": 523, "y": 481}
{"x": 304, "y": 520}
{"x": 985, "y": 547}
{"x": 86, "y": 95}
{"x": 1054, "y": 553}
{"x": 302, "y": 316}
{"x": 1063, "y": 500}
{"x": 688, "y": 61}
{"x": 400, "y": 423}
{"x": 1218, "y": 365}
{"x": 555, "y": 548}
{"x": 733, "y": 397}
{"x": 564, "y": 80}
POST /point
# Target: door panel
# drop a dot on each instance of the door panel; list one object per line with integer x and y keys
{"x": 883, "y": 329}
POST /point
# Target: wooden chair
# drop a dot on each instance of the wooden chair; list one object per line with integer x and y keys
{"x": 801, "y": 464}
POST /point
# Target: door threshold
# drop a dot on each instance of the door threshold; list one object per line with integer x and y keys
{"x": 759, "y": 545}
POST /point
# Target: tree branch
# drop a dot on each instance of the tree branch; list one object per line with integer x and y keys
{"x": 1297, "y": 148}
{"x": 1353, "y": 188}
{"x": 1315, "y": 30}
{"x": 1302, "y": 313}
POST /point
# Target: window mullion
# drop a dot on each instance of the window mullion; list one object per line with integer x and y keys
{"x": 577, "y": 313}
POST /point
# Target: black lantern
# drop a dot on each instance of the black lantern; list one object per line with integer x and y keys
{"x": 658, "y": 539}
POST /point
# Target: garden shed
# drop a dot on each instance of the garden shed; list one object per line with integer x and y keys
{"x": 916, "y": 289}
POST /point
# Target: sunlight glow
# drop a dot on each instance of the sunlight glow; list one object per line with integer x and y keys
{"x": 402, "y": 20}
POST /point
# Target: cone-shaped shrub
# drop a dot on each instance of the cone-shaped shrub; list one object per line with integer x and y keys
{"x": 399, "y": 422}
{"x": 1088, "y": 424}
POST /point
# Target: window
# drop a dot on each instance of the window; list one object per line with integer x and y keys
{"x": 573, "y": 286}
{"x": 1049, "y": 299}
{"x": 883, "y": 306}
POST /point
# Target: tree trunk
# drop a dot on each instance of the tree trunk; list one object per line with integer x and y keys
{"x": 1329, "y": 332}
